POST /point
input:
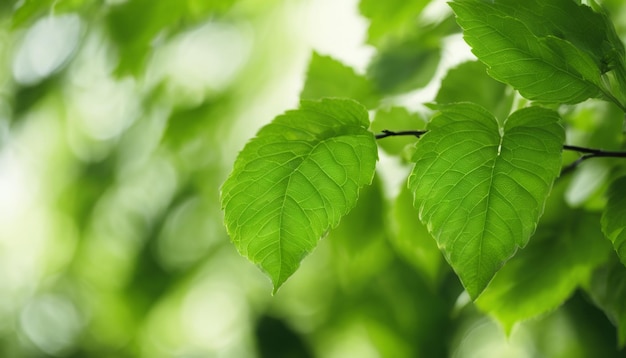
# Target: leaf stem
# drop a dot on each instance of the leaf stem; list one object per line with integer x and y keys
{"x": 588, "y": 153}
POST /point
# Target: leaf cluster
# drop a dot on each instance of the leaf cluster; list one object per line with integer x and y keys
{"x": 480, "y": 177}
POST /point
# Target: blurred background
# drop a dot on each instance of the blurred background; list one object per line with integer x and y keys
{"x": 119, "y": 120}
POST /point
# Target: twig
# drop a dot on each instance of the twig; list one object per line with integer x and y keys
{"x": 387, "y": 133}
{"x": 587, "y": 152}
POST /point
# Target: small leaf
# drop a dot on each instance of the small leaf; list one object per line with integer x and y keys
{"x": 406, "y": 64}
{"x": 391, "y": 18}
{"x": 557, "y": 60}
{"x": 469, "y": 82}
{"x": 560, "y": 257}
{"x": 481, "y": 185}
{"x": 295, "y": 180}
{"x": 614, "y": 217}
{"x": 327, "y": 77}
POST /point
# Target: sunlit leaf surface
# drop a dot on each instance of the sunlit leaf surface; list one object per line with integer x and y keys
{"x": 559, "y": 60}
{"x": 480, "y": 185}
{"x": 295, "y": 180}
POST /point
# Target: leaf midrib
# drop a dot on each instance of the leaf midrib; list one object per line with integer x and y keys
{"x": 488, "y": 211}
{"x": 303, "y": 158}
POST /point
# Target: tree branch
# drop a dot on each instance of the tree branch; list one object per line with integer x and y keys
{"x": 587, "y": 152}
{"x": 387, "y": 133}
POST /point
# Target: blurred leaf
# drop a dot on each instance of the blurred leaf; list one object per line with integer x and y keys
{"x": 481, "y": 185}
{"x": 595, "y": 335}
{"x": 469, "y": 82}
{"x": 409, "y": 62}
{"x": 412, "y": 240}
{"x": 608, "y": 289}
{"x": 359, "y": 245}
{"x": 396, "y": 119}
{"x": 31, "y": 10}
{"x": 327, "y": 77}
{"x": 614, "y": 217}
{"x": 276, "y": 339}
{"x": 295, "y": 180}
{"x": 541, "y": 277}
{"x": 401, "y": 66}
{"x": 28, "y": 11}
{"x": 200, "y": 8}
{"x": 393, "y": 18}
{"x": 28, "y": 96}
{"x": 135, "y": 24}
{"x": 92, "y": 182}
{"x": 557, "y": 60}
{"x": 364, "y": 226}
{"x": 187, "y": 124}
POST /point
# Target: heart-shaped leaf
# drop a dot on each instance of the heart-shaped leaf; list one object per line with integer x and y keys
{"x": 480, "y": 185}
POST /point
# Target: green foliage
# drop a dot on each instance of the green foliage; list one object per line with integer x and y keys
{"x": 393, "y": 18}
{"x": 561, "y": 60}
{"x": 492, "y": 224}
{"x": 608, "y": 289}
{"x": 468, "y": 83}
{"x": 295, "y": 180}
{"x": 327, "y": 77}
{"x": 480, "y": 176}
{"x": 406, "y": 64}
{"x": 560, "y": 258}
{"x": 480, "y": 184}
{"x": 413, "y": 241}
{"x": 614, "y": 217}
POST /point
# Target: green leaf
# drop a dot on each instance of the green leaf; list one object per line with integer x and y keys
{"x": 397, "y": 118}
{"x": 540, "y": 278}
{"x": 412, "y": 240}
{"x": 391, "y": 18}
{"x": 559, "y": 60}
{"x": 134, "y": 24}
{"x": 405, "y": 65}
{"x": 469, "y": 82}
{"x": 295, "y": 180}
{"x": 608, "y": 289}
{"x": 614, "y": 217}
{"x": 480, "y": 185}
{"x": 327, "y": 77}
{"x": 29, "y": 10}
